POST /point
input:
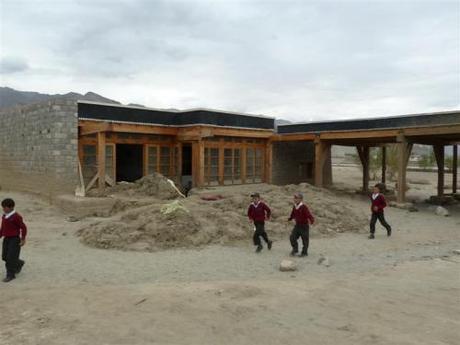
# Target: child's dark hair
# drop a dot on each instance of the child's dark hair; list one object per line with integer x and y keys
{"x": 380, "y": 186}
{"x": 8, "y": 203}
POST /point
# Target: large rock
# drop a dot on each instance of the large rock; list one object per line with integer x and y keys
{"x": 441, "y": 211}
{"x": 287, "y": 265}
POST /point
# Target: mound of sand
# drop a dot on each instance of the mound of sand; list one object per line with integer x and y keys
{"x": 197, "y": 222}
{"x": 154, "y": 185}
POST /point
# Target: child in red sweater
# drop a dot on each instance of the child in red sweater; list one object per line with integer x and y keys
{"x": 14, "y": 231}
{"x": 258, "y": 213}
{"x": 378, "y": 203}
{"x": 302, "y": 216}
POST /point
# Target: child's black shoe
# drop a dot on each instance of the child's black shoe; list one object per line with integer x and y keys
{"x": 293, "y": 253}
{"x": 389, "y": 232}
{"x": 269, "y": 245}
{"x": 304, "y": 254}
{"x": 8, "y": 279}
{"x": 371, "y": 236}
{"x": 259, "y": 248}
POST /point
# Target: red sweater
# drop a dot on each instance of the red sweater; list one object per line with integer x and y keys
{"x": 302, "y": 215}
{"x": 259, "y": 213}
{"x": 378, "y": 202}
{"x": 13, "y": 226}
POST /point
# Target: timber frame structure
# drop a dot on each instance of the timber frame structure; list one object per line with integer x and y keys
{"x": 210, "y": 147}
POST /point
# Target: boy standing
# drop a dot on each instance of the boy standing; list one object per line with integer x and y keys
{"x": 258, "y": 212}
{"x": 14, "y": 231}
{"x": 302, "y": 216}
{"x": 378, "y": 203}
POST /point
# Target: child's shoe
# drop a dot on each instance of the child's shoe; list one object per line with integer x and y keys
{"x": 21, "y": 263}
{"x": 389, "y": 232}
{"x": 259, "y": 248}
{"x": 293, "y": 253}
{"x": 8, "y": 279}
{"x": 371, "y": 236}
{"x": 269, "y": 245}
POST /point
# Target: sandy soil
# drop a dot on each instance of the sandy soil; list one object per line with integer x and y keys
{"x": 399, "y": 290}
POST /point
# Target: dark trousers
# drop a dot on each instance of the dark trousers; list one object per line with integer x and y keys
{"x": 11, "y": 249}
{"x": 302, "y": 231}
{"x": 381, "y": 218}
{"x": 260, "y": 232}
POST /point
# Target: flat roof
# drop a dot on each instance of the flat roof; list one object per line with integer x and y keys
{"x": 171, "y": 117}
{"x": 385, "y": 122}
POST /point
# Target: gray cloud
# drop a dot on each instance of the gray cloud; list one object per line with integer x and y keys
{"x": 9, "y": 65}
{"x": 295, "y": 59}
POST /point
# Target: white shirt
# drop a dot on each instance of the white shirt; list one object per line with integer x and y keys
{"x": 375, "y": 196}
{"x": 8, "y": 215}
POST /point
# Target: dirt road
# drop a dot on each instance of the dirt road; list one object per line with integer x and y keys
{"x": 399, "y": 290}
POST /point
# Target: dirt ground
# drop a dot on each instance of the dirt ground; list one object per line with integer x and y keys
{"x": 399, "y": 290}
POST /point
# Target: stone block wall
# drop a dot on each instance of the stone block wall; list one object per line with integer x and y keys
{"x": 39, "y": 147}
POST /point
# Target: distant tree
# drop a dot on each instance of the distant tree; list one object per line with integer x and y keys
{"x": 428, "y": 160}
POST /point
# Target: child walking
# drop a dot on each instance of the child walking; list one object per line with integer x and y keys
{"x": 258, "y": 212}
{"x": 302, "y": 216}
{"x": 378, "y": 203}
{"x": 14, "y": 231}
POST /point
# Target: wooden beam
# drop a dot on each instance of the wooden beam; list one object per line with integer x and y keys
{"x": 384, "y": 164}
{"x": 293, "y": 137}
{"x": 439, "y": 154}
{"x": 101, "y": 160}
{"x": 454, "y": 169}
{"x": 88, "y": 126}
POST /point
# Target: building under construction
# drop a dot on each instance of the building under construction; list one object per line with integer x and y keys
{"x": 55, "y": 146}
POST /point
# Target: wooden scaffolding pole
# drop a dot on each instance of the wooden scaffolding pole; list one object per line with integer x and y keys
{"x": 454, "y": 168}
{"x": 101, "y": 160}
{"x": 439, "y": 154}
{"x": 363, "y": 153}
{"x": 268, "y": 162}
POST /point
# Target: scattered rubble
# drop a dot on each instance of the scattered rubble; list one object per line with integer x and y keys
{"x": 288, "y": 266}
{"x": 441, "y": 211}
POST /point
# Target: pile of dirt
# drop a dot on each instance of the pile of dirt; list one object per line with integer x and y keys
{"x": 154, "y": 185}
{"x": 197, "y": 222}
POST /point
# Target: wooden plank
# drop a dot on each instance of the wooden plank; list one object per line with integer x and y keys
{"x": 454, "y": 169}
{"x": 293, "y": 137}
{"x": 320, "y": 159}
{"x": 439, "y": 154}
{"x": 92, "y": 182}
{"x": 243, "y": 165}
{"x": 221, "y": 164}
{"x": 88, "y": 126}
{"x": 179, "y": 163}
{"x": 101, "y": 159}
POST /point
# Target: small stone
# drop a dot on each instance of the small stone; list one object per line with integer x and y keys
{"x": 287, "y": 265}
{"x": 441, "y": 211}
{"x": 64, "y": 234}
{"x": 72, "y": 219}
{"x": 324, "y": 260}
{"x": 456, "y": 251}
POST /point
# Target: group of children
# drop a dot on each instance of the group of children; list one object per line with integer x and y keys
{"x": 14, "y": 231}
{"x": 259, "y": 212}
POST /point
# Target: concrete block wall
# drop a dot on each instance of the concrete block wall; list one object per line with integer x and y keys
{"x": 39, "y": 147}
{"x": 293, "y": 162}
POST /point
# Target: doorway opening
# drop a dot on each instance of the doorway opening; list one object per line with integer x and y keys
{"x": 129, "y": 162}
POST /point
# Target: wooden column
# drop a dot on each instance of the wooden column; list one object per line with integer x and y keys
{"x": 268, "y": 162}
{"x": 198, "y": 163}
{"x": 243, "y": 165}
{"x": 363, "y": 153}
{"x": 221, "y": 163}
{"x": 101, "y": 159}
{"x": 454, "y": 168}
{"x": 404, "y": 150}
{"x": 384, "y": 165}
{"x": 178, "y": 172}
{"x": 320, "y": 159}
{"x": 439, "y": 154}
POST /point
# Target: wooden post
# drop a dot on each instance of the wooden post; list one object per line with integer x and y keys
{"x": 101, "y": 160}
{"x": 221, "y": 163}
{"x": 439, "y": 154}
{"x": 319, "y": 162}
{"x": 404, "y": 150}
{"x": 384, "y": 164}
{"x": 243, "y": 164}
{"x": 454, "y": 168}
{"x": 268, "y": 162}
{"x": 198, "y": 163}
{"x": 179, "y": 164}
{"x": 363, "y": 153}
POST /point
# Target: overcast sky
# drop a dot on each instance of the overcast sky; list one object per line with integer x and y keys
{"x": 299, "y": 60}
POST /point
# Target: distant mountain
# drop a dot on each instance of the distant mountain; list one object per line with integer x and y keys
{"x": 10, "y": 97}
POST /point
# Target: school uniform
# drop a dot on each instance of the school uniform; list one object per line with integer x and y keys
{"x": 378, "y": 201}
{"x": 303, "y": 217}
{"x": 13, "y": 230}
{"x": 258, "y": 213}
